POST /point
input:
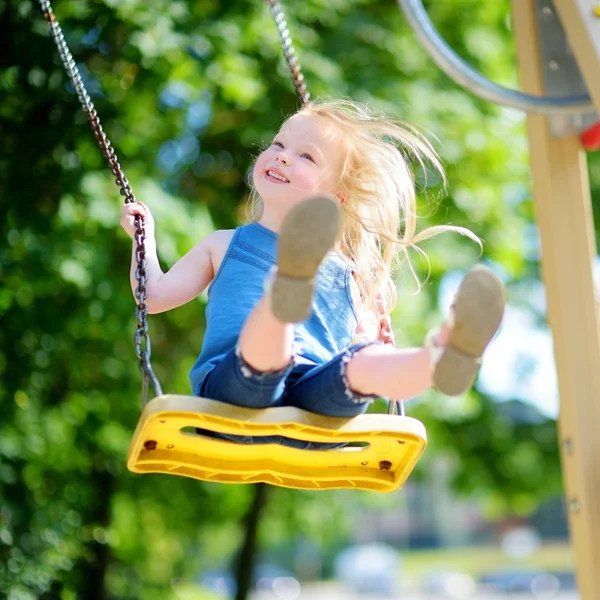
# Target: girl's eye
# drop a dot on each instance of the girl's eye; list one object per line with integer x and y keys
{"x": 278, "y": 144}
{"x": 307, "y": 156}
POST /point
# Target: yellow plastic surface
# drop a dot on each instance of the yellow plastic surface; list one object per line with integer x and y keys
{"x": 159, "y": 445}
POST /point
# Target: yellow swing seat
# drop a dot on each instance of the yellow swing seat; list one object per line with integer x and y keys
{"x": 165, "y": 441}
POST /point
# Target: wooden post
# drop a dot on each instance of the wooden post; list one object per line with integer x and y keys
{"x": 582, "y": 28}
{"x": 563, "y": 207}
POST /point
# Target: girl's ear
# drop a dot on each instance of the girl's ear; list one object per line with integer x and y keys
{"x": 341, "y": 197}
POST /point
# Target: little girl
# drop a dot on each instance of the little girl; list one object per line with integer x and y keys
{"x": 298, "y": 300}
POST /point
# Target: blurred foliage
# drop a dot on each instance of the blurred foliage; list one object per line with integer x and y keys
{"x": 188, "y": 92}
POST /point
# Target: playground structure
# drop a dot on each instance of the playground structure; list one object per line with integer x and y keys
{"x": 564, "y": 215}
{"x": 558, "y": 47}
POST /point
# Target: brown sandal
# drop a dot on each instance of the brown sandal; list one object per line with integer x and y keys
{"x": 478, "y": 311}
{"x": 308, "y": 232}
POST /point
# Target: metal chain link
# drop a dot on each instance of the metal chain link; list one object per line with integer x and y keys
{"x": 288, "y": 50}
{"x": 141, "y": 338}
{"x": 396, "y": 407}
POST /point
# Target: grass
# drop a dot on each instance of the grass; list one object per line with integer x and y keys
{"x": 477, "y": 560}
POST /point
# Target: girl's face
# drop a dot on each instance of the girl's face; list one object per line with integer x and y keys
{"x": 303, "y": 160}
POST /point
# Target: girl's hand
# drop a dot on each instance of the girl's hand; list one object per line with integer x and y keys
{"x": 128, "y": 213}
{"x": 386, "y": 335}
{"x": 367, "y": 329}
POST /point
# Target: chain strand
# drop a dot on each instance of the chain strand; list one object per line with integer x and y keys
{"x": 288, "y": 50}
{"x": 141, "y": 338}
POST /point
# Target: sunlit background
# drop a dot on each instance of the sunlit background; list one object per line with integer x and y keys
{"x": 188, "y": 92}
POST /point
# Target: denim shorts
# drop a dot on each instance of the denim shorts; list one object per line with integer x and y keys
{"x": 321, "y": 389}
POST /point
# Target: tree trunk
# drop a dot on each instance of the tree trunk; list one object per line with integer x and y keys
{"x": 248, "y": 551}
{"x": 93, "y": 568}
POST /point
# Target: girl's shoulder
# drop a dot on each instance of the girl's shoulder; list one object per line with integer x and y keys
{"x": 217, "y": 244}
{"x": 219, "y": 239}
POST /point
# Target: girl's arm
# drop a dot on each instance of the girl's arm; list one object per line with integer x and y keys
{"x": 187, "y": 278}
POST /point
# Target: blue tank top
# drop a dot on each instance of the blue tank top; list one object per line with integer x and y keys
{"x": 239, "y": 285}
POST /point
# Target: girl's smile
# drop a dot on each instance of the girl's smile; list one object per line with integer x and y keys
{"x": 275, "y": 176}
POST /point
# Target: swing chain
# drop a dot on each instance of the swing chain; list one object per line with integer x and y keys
{"x": 141, "y": 338}
{"x": 288, "y": 50}
{"x": 396, "y": 407}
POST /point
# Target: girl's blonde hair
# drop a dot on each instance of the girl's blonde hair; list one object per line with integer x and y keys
{"x": 379, "y": 218}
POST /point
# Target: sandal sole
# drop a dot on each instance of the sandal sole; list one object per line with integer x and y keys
{"x": 308, "y": 232}
{"x": 478, "y": 311}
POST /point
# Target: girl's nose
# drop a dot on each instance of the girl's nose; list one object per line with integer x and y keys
{"x": 283, "y": 159}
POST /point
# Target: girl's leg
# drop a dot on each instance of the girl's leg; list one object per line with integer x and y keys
{"x": 266, "y": 342}
{"x": 325, "y": 389}
{"x": 390, "y": 373}
{"x": 453, "y": 361}
{"x": 308, "y": 232}
{"x": 234, "y": 381}
{"x": 345, "y": 385}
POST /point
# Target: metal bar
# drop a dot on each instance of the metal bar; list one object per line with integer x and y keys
{"x": 583, "y": 32}
{"x": 396, "y": 407}
{"x": 463, "y": 74}
{"x": 562, "y": 76}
